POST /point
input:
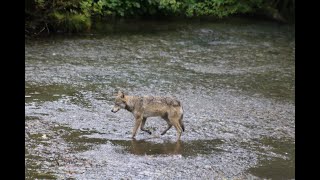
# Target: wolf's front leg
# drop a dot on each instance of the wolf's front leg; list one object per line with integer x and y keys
{"x": 136, "y": 125}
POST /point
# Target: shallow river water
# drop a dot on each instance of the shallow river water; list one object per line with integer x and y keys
{"x": 235, "y": 79}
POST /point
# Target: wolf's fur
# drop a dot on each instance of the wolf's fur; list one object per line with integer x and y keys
{"x": 142, "y": 107}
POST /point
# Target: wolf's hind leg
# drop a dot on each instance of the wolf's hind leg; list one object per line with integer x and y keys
{"x": 142, "y": 126}
{"x": 179, "y": 130}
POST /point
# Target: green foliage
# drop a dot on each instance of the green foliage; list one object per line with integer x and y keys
{"x": 76, "y": 15}
{"x": 40, "y": 4}
{"x": 170, "y": 5}
{"x": 120, "y": 8}
{"x": 71, "y": 15}
{"x": 221, "y": 8}
{"x": 71, "y": 22}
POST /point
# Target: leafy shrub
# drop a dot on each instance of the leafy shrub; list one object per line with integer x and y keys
{"x": 71, "y": 22}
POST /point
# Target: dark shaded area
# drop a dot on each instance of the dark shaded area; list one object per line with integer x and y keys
{"x": 277, "y": 167}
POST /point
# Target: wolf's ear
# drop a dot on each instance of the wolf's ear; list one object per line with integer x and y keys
{"x": 121, "y": 94}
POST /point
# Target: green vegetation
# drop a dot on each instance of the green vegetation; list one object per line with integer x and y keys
{"x": 77, "y": 15}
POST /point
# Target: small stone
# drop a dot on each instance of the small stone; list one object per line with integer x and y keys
{"x": 44, "y": 136}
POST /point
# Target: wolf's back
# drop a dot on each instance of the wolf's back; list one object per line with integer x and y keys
{"x": 162, "y": 100}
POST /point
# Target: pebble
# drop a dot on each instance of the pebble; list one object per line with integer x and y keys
{"x": 44, "y": 136}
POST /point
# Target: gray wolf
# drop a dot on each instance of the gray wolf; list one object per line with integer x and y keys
{"x": 142, "y": 107}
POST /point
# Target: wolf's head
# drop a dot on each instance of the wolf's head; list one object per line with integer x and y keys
{"x": 119, "y": 102}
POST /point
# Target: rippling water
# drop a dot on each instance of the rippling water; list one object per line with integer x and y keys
{"x": 235, "y": 78}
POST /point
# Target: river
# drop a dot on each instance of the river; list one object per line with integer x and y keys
{"x": 234, "y": 77}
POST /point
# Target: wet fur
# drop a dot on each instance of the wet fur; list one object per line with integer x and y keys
{"x": 142, "y": 107}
